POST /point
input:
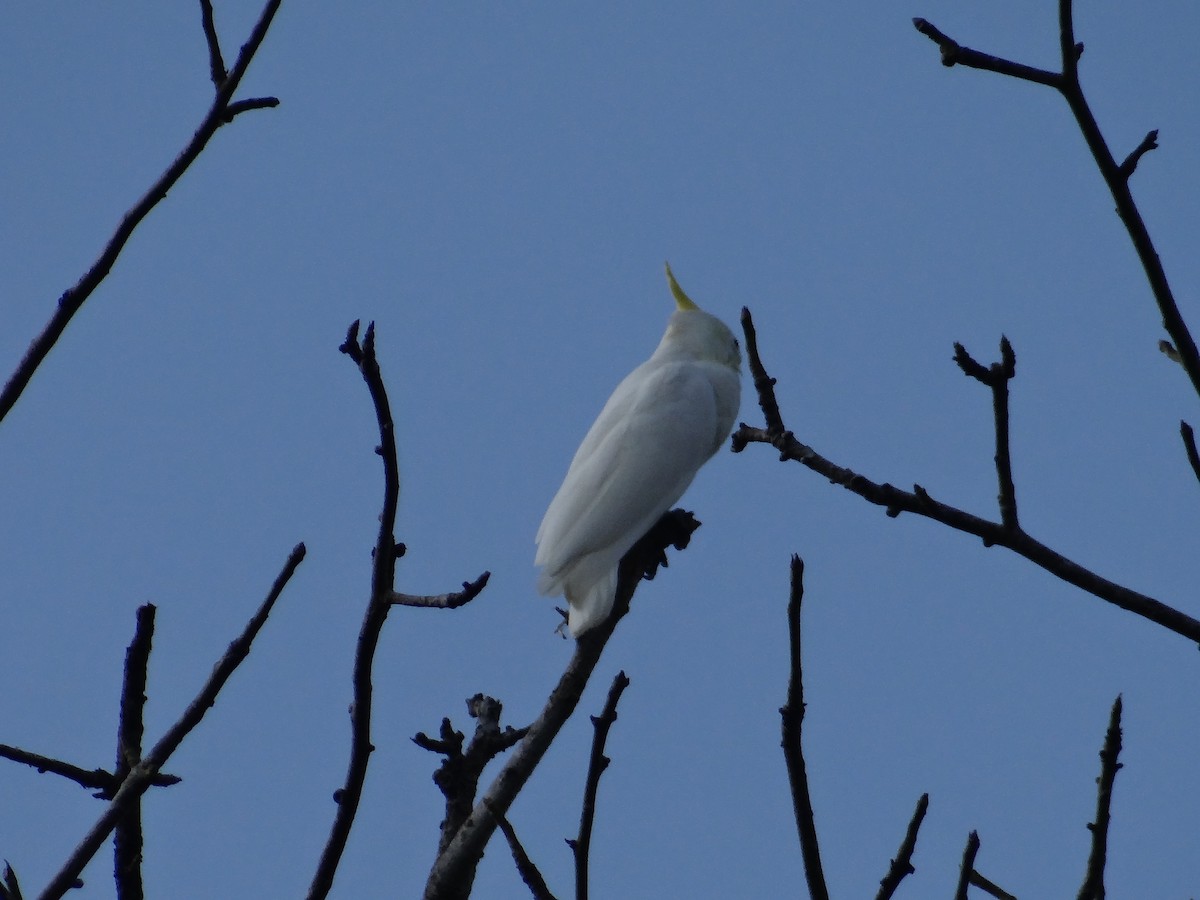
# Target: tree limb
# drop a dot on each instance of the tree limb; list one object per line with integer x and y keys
{"x": 1115, "y": 176}
{"x": 127, "y": 838}
{"x": 967, "y": 866}
{"x": 528, "y": 871}
{"x": 902, "y": 865}
{"x": 918, "y": 501}
{"x": 221, "y": 112}
{"x": 1093, "y": 882}
{"x": 597, "y": 763}
{"x": 792, "y": 723}
{"x": 97, "y": 779}
{"x": 454, "y": 868}
{"x": 141, "y": 776}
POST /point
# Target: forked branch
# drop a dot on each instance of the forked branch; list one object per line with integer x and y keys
{"x": 918, "y": 501}
{"x": 221, "y": 112}
{"x": 1116, "y": 176}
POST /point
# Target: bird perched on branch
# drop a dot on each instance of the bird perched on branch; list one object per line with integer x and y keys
{"x": 662, "y": 423}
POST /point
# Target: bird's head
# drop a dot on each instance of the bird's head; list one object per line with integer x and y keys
{"x": 694, "y": 333}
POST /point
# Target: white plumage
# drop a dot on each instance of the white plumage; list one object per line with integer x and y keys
{"x": 662, "y": 423}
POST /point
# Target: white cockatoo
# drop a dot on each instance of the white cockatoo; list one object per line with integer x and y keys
{"x": 661, "y": 424}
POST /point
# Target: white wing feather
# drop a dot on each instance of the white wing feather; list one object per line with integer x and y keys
{"x": 658, "y": 428}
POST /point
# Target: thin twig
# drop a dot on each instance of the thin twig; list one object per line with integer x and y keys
{"x": 528, "y": 871}
{"x": 383, "y": 573}
{"x": 1093, "y": 881}
{"x": 1189, "y": 447}
{"x": 792, "y": 719}
{"x": 902, "y": 865}
{"x": 141, "y": 776}
{"x": 1115, "y": 176}
{"x": 458, "y": 775}
{"x": 216, "y": 64}
{"x": 997, "y": 376}
{"x": 127, "y": 838}
{"x": 989, "y": 887}
{"x": 1149, "y": 142}
{"x": 919, "y": 501}
{"x": 470, "y": 590}
{"x": 73, "y": 298}
{"x": 10, "y": 888}
{"x": 954, "y": 53}
{"x": 454, "y": 868}
{"x": 383, "y": 597}
{"x": 101, "y": 780}
{"x": 967, "y": 866}
{"x": 597, "y": 763}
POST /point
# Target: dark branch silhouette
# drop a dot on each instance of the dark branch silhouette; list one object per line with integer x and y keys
{"x": 470, "y": 590}
{"x": 10, "y": 888}
{"x": 141, "y": 775}
{"x": 792, "y": 723}
{"x": 383, "y": 597}
{"x": 1093, "y": 881}
{"x": 454, "y": 868}
{"x": 997, "y": 376}
{"x": 127, "y": 838}
{"x": 101, "y": 780}
{"x": 525, "y": 868}
{"x": 919, "y": 501}
{"x": 902, "y": 864}
{"x": 597, "y": 763}
{"x": 967, "y": 866}
{"x": 1115, "y": 175}
{"x": 1189, "y": 447}
{"x": 458, "y": 775}
{"x": 221, "y": 112}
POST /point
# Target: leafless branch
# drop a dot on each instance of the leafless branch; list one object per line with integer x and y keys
{"x": 1189, "y": 446}
{"x": 216, "y": 63}
{"x": 597, "y": 763}
{"x": 458, "y": 775}
{"x": 454, "y": 868}
{"x": 127, "y": 838}
{"x": 1115, "y": 175}
{"x": 967, "y": 867}
{"x": 10, "y": 888}
{"x": 72, "y": 300}
{"x": 997, "y": 377}
{"x": 919, "y": 501}
{"x": 471, "y": 590}
{"x": 383, "y": 597}
{"x": 989, "y": 887}
{"x": 528, "y": 871}
{"x": 902, "y": 864}
{"x": 101, "y": 780}
{"x": 141, "y": 776}
{"x": 792, "y": 717}
{"x": 1093, "y": 882}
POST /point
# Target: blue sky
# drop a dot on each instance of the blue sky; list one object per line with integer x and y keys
{"x": 497, "y": 188}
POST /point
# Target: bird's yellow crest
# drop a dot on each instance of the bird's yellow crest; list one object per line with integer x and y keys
{"x": 682, "y": 300}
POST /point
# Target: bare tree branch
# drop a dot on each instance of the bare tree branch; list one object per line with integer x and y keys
{"x": 471, "y": 590}
{"x": 597, "y": 763}
{"x": 216, "y": 63}
{"x": 1115, "y": 176}
{"x": 528, "y": 871}
{"x": 10, "y": 889}
{"x": 127, "y": 838}
{"x": 97, "y": 779}
{"x": 967, "y": 867}
{"x": 792, "y": 717}
{"x": 73, "y": 298}
{"x": 458, "y": 775}
{"x": 902, "y": 864}
{"x": 454, "y": 868}
{"x": 1093, "y": 882}
{"x": 1189, "y": 446}
{"x": 141, "y": 776}
{"x": 918, "y": 501}
{"x": 383, "y": 597}
{"x": 997, "y": 377}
